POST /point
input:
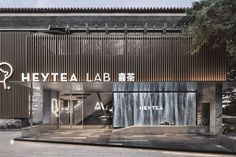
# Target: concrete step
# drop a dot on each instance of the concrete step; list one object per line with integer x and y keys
{"x": 161, "y": 129}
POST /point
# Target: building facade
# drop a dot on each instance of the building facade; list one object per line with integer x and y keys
{"x": 120, "y": 67}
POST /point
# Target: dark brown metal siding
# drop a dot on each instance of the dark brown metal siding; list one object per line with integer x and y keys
{"x": 14, "y": 102}
{"x": 152, "y": 56}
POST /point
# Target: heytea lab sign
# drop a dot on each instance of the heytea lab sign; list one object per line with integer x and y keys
{"x": 64, "y": 77}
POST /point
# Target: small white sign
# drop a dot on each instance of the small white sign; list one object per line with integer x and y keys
{"x": 6, "y": 73}
{"x": 150, "y": 108}
{"x": 99, "y": 106}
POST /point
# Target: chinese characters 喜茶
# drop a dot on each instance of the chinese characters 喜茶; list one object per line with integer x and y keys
{"x": 126, "y": 77}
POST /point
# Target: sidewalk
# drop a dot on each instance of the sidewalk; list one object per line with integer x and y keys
{"x": 9, "y": 148}
{"x": 104, "y": 137}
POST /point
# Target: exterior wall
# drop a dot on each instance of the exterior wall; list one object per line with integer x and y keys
{"x": 37, "y": 106}
{"x": 151, "y": 57}
{"x": 213, "y": 96}
{"x": 14, "y": 103}
{"x": 48, "y": 95}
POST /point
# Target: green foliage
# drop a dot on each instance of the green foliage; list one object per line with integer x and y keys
{"x": 230, "y": 108}
{"x": 231, "y": 73}
{"x": 213, "y": 21}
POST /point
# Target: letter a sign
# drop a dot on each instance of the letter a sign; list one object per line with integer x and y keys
{"x": 99, "y": 106}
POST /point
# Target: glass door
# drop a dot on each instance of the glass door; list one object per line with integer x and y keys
{"x": 71, "y": 109}
{"x": 79, "y": 109}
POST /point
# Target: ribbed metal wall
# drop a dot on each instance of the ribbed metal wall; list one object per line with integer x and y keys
{"x": 151, "y": 56}
{"x": 14, "y": 102}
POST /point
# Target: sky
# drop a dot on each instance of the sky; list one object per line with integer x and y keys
{"x": 94, "y": 3}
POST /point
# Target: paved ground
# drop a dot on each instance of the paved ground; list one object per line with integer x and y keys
{"x": 105, "y": 137}
{"x": 10, "y": 148}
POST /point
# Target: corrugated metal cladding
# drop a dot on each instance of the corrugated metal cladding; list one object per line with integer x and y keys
{"x": 151, "y": 56}
{"x": 14, "y": 103}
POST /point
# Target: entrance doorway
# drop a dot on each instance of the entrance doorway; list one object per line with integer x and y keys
{"x": 71, "y": 106}
{"x": 85, "y": 109}
{"x": 203, "y": 114}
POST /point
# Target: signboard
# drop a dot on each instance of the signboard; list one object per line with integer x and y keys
{"x": 64, "y": 77}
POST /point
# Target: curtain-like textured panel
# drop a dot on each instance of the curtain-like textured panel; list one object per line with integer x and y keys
{"x": 154, "y": 109}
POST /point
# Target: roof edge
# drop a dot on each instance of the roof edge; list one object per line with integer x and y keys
{"x": 93, "y": 10}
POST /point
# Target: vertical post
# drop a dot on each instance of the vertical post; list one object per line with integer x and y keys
{"x": 31, "y": 104}
{"x": 218, "y": 108}
{"x": 82, "y": 110}
{"x": 145, "y": 28}
{"x": 70, "y": 107}
{"x": 106, "y": 28}
{"x": 87, "y": 28}
{"x": 213, "y": 96}
{"x": 69, "y": 104}
{"x": 125, "y": 28}
{"x": 59, "y": 112}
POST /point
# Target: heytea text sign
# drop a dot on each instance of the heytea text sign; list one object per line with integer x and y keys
{"x": 64, "y": 77}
